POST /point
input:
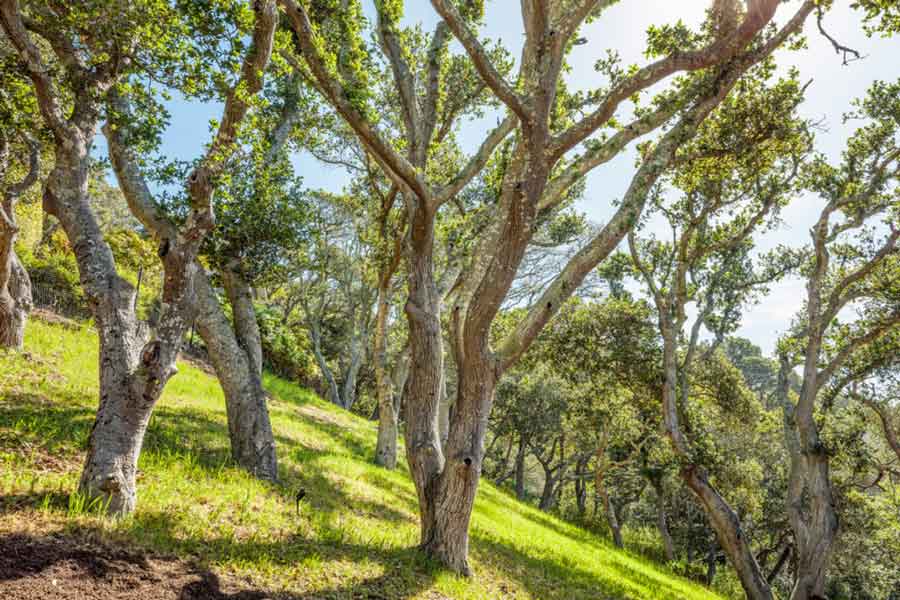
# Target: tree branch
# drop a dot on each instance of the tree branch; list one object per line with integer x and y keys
{"x": 759, "y": 14}
{"x": 854, "y": 344}
{"x": 480, "y": 59}
{"x": 602, "y": 153}
{"x": 432, "y": 91}
{"x": 477, "y": 161}
{"x": 406, "y": 85}
{"x": 652, "y": 167}
{"x": 11, "y": 22}
{"x": 34, "y": 164}
{"x": 400, "y": 170}
{"x": 890, "y": 433}
{"x": 838, "y": 299}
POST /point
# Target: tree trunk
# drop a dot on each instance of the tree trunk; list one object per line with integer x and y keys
{"x": 49, "y": 225}
{"x": 458, "y": 482}
{"x": 663, "y": 525}
{"x": 15, "y": 297}
{"x": 581, "y": 485}
{"x": 351, "y": 373}
{"x": 15, "y": 286}
{"x": 386, "y": 446}
{"x": 444, "y": 413}
{"x": 730, "y": 534}
{"x": 612, "y": 518}
{"x": 236, "y": 356}
{"x": 240, "y": 296}
{"x": 520, "y": 469}
{"x": 580, "y": 497}
{"x": 711, "y": 558}
{"x": 810, "y": 502}
{"x": 723, "y": 519}
{"x": 126, "y": 397}
{"x": 333, "y": 394}
{"x": 815, "y": 535}
{"x": 547, "y": 495}
{"x": 443, "y": 531}
{"x": 779, "y": 565}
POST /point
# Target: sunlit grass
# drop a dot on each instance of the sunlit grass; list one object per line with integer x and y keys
{"x": 354, "y": 534}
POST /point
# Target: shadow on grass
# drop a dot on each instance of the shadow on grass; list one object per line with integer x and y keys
{"x": 103, "y": 571}
{"x": 542, "y": 575}
{"x": 35, "y": 427}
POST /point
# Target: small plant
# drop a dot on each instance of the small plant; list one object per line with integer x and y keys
{"x": 81, "y": 504}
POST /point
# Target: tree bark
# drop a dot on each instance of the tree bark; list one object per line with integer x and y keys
{"x": 729, "y": 532}
{"x": 15, "y": 296}
{"x": 131, "y": 379}
{"x": 458, "y": 481}
{"x": 354, "y": 364}
{"x": 386, "y": 446}
{"x": 581, "y": 484}
{"x": 421, "y": 394}
{"x": 612, "y": 518}
{"x": 15, "y": 285}
{"x": 814, "y": 533}
{"x": 779, "y": 565}
{"x": 520, "y": 469}
{"x": 236, "y": 356}
{"x": 49, "y": 226}
{"x": 810, "y": 502}
{"x": 723, "y": 519}
{"x": 662, "y": 523}
{"x": 580, "y": 496}
{"x": 547, "y": 493}
{"x": 315, "y": 334}
{"x": 444, "y": 408}
{"x": 712, "y": 556}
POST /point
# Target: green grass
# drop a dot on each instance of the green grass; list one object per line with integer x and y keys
{"x": 357, "y": 529}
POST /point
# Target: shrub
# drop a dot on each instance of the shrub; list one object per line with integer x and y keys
{"x": 286, "y": 352}
{"x": 54, "y": 282}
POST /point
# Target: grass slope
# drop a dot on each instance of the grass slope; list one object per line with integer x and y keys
{"x": 355, "y": 534}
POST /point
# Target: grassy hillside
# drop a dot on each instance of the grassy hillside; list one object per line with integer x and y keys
{"x": 354, "y": 535}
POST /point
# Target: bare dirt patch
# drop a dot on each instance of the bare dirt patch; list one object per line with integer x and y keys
{"x": 61, "y": 567}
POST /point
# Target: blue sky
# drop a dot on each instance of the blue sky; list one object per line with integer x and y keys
{"x": 623, "y": 28}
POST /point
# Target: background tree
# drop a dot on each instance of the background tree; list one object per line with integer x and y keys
{"x": 731, "y": 186}
{"x": 851, "y": 303}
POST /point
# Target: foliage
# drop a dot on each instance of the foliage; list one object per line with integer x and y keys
{"x": 55, "y": 283}
{"x": 286, "y": 351}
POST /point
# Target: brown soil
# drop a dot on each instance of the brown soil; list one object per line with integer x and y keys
{"x": 51, "y": 568}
